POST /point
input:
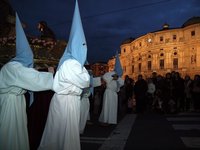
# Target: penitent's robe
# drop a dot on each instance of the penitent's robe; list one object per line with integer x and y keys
{"x": 15, "y": 79}
{"x": 110, "y": 99}
{"x": 62, "y": 127}
{"x": 85, "y": 104}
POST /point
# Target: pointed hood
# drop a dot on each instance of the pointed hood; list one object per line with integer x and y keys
{"x": 118, "y": 68}
{"x": 24, "y": 54}
{"x": 76, "y": 47}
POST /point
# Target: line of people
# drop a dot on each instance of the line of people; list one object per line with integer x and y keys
{"x": 165, "y": 94}
{"x": 69, "y": 88}
{"x": 18, "y": 76}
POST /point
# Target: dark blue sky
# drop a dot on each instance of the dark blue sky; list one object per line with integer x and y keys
{"x": 106, "y": 23}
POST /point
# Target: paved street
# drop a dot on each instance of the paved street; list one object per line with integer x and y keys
{"x": 145, "y": 131}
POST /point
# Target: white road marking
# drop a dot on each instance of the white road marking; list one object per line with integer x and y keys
{"x": 192, "y": 142}
{"x": 119, "y": 136}
{"x": 183, "y": 118}
{"x": 186, "y": 126}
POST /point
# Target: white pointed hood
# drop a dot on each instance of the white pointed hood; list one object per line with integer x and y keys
{"x": 118, "y": 68}
{"x": 24, "y": 54}
{"x": 77, "y": 46}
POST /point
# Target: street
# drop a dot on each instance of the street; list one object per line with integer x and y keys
{"x": 145, "y": 131}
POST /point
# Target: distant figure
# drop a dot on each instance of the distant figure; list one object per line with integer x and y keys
{"x": 46, "y": 32}
{"x": 140, "y": 90}
{"x": 188, "y": 92}
{"x": 110, "y": 98}
{"x": 196, "y": 92}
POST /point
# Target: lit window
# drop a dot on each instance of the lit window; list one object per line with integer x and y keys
{"x": 162, "y": 64}
{"x": 174, "y": 37}
{"x": 133, "y": 60}
{"x": 149, "y": 65}
{"x": 193, "y": 59}
{"x": 161, "y": 39}
{"x": 139, "y": 67}
{"x": 124, "y": 69}
{"x": 175, "y": 63}
{"x": 133, "y": 69}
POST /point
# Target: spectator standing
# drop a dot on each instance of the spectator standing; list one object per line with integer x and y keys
{"x": 140, "y": 91}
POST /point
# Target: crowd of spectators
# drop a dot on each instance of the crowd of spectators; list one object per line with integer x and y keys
{"x": 164, "y": 94}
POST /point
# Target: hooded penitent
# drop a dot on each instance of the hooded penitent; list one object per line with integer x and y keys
{"x": 76, "y": 47}
{"x": 24, "y": 54}
{"x": 118, "y": 68}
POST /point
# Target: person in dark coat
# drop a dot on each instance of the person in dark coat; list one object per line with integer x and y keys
{"x": 140, "y": 90}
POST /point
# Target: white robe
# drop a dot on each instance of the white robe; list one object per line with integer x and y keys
{"x": 110, "y": 99}
{"x": 62, "y": 127}
{"x": 85, "y": 104}
{"x": 84, "y": 109}
{"x": 14, "y": 79}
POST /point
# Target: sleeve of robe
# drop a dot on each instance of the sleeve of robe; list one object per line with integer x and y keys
{"x": 96, "y": 81}
{"x": 107, "y": 77}
{"x": 71, "y": 78}
{"x": 120, "y": 83}
{"x": 27, "y": 78}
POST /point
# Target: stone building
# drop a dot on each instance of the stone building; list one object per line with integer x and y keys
{"x": 162, "y": 51}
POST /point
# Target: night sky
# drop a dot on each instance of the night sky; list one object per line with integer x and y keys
{"x": 106, "y": 23}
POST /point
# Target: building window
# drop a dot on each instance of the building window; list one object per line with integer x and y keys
{"x": 139, "y": 67}
{"x": 133, "y": 69}
{"x": 161, "y": 38}
{"x": 140, "y": 44}
{"x": 149, "y": 65}
{"x": 174, "y": 37}
{"x": 124, "y": 50}
{"x": 175, "y": 63}
{"x": 124, "y": 68}
{"x": 193, "y": 59}
{"x": 192, "y": 33}
{"x": 133, "y": 60}
{"x": 162, "y": 64}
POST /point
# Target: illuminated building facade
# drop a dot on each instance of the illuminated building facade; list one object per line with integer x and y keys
{"x": 163, "y": 51}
